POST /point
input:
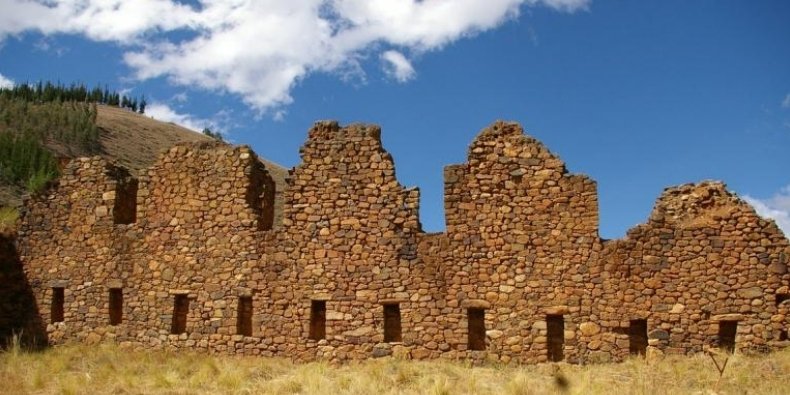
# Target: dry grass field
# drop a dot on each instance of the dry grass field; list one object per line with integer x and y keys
{"x": 108, "y": 369}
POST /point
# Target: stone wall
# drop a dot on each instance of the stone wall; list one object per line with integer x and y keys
{"x": 349, "y": 238}
{"x": 523, "y": 233}
{"x": 519, "y": 275}
{"x": 68, "y": 240}
{"x": 704, "y": 257}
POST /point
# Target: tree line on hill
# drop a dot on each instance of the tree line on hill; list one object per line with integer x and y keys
{"x": 35, "y": 118}
{"x": 46, "y": 92}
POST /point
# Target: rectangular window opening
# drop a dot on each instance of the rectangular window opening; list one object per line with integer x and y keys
{"x": 637, "y": 337}
{"x": 244, "y": 319}
{"x": 783, "y": 335}
{"x": 392, "y": 324}
{"x": 56, "y": 309}
{"x": 555, "y": 336}
{"x": 477, "y": 329}
{"x": 727, "y": 331}
{"x": 125, "y": 207}
{"x": 781, "y": 298}
{"x": 318, "y": 319}
{"x": 180, "y": 310}
{"x": 116, "y": 306}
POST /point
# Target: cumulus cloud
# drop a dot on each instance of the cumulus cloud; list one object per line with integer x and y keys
{"x": 777, "y": 207}
{"x": 163, "y": 112}
{"x": 101, "y": 20}
{"x": 260, "y": 49}
{"x": 397, "y": 66}
{"x": 5, "y": 82}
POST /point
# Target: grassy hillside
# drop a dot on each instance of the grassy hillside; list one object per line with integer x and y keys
{"x": 36, "y": 136}
{"x": 27, "y": 131}
{"x": 109, "y": 369}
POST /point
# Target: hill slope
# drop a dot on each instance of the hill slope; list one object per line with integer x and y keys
{"x": 134, "y": 141}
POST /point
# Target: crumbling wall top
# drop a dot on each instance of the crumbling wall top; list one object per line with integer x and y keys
{"x": 505, "y": 143}
{"x": 331, "y": 130}
{"x": 701, "y": 204}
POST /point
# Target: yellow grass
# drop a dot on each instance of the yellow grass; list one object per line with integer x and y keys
{"x": 8, "y": 218}
{"x": 108, "y": 369}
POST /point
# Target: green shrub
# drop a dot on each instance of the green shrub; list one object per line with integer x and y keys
{"x": 23, "y": 161}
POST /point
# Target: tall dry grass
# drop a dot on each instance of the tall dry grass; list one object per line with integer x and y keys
{"x": 108, "y": 369}
{"x": 8, "y": 218}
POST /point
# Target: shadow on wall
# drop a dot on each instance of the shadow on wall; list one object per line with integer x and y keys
{"x": 19, "y": 315}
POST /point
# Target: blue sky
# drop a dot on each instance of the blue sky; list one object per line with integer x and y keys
{"x": 637, "y": 95}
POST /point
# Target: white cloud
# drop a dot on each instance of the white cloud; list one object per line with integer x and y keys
{"x": 180, "y": 97}
{"x": 45, "y": 44}
{"x": 100, "y": 20}
{"x": 564, "y": 5}
{"x": 786, "y": 101}
{"x": 163, "y": 112}
{"x": 5, "y": 82}
{"x": 397, "y": 66}
{"x": 260, "y": 49}
{"x": 777, "y": 207}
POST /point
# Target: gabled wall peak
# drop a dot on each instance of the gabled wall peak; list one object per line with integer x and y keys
{"x": 705, "y": 201}
{"x": 507, "y": 144}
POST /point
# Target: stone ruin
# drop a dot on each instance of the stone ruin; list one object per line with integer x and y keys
{"x": 190, "y": 256}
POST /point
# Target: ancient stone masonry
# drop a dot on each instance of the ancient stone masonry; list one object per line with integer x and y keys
{"x": 193, "y": 256}
{"x": 703, "y": 261}
{"x": 523, "y": 234}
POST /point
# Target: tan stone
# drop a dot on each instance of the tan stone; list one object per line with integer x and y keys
{"x": 589, "y": 328}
